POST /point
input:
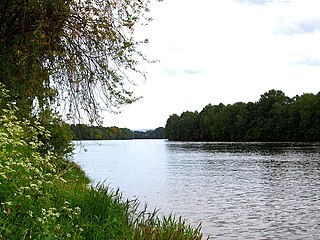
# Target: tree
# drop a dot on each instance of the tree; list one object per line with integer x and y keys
{"x": 271, "y": 116}
{"x": 172, "y": 128}
{"x": 157, "y": 133}
{"x": 189, "y": 126}
{"x": 210, "y": 122}
{"x": 309, "y": 115}
{"x": 275, "y": 117}
{"x": 70, "y": 51}
{"x": 234, "y": 120}
{"x": 29, "y": 39}
{"x": 207, "y": 116}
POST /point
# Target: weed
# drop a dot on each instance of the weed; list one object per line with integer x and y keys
{"x": 45, "y": 196}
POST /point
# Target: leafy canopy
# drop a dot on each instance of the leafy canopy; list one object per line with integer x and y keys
{"x": 76, "y": 52}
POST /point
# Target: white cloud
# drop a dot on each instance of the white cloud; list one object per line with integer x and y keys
{"x": 224, "y": 51}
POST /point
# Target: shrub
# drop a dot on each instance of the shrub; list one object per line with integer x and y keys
{"x": 45, "y": 196}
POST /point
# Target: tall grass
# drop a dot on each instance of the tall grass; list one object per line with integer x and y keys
{"x": 45, "y": 196}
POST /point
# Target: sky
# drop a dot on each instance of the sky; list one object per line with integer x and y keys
{"x": 223, "y": 51}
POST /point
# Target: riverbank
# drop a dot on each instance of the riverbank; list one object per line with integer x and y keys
{"x": 45, "y": 196}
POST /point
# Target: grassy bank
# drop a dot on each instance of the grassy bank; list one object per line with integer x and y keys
{"x": 45, "y": 196}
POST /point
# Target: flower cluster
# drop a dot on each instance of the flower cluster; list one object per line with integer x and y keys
{"x": 28, "y": 177}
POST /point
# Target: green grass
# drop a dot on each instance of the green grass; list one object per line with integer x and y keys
{"x": 45, "y": 196}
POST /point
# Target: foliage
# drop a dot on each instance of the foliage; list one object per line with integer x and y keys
{"x": 69, "y": 55}
{"x": 60, "y": 137}
{"x": 78, "y": 53}
{"x": 85, "y": 132}
{"x": 157, "y": 133}
{"x": 44, "y": 196}
{"x": 275, "y": 117}
{"x": 28, "y": 180}
{"x": 74, "y": 52}
{"x": 29, "y": 39}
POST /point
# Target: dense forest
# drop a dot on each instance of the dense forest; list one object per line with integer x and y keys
{"x": 274, "y": 117}
{"x": 85, "y": 132}
{"x": 158, "y": 133}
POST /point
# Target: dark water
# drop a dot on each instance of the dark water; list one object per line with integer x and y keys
{"x": 237, "y": 190}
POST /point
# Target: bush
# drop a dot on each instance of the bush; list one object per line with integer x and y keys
{"x": 45, "y": 196}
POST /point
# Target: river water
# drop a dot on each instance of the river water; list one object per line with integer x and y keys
{"x": 236, "y": 190}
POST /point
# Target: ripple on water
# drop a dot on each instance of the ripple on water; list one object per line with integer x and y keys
{"x": 237, "y": 190}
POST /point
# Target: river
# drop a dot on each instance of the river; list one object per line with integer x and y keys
{"x": 236, "y": 190}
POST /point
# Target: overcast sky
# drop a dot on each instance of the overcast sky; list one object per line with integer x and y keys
{"x": 223, "y": 51}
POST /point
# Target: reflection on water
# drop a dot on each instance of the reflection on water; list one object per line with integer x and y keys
{"x": 237, "y": 190}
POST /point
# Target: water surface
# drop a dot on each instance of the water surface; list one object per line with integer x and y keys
{"x": 237, "y": 190}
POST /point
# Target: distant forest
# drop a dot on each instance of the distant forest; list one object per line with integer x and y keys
{"x": 85, "y": 132}
{"x": 275, "y": 117}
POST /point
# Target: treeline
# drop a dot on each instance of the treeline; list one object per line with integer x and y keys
{"x": 85, "y": 132}
{"x": 275, "y": 117}
{"x": 158, "y": 133}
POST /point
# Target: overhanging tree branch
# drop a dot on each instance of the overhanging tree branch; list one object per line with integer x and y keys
{"x": 83, "y": 49}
